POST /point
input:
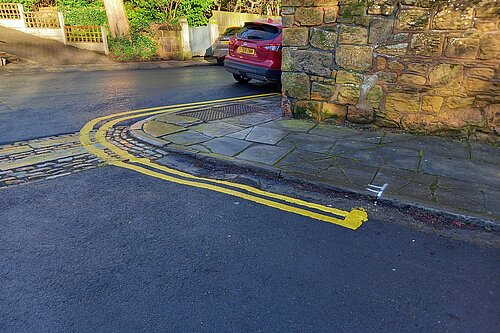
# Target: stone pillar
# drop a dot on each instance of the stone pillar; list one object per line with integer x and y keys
{"x": 186, "y": 48}
{"x": 429, "y": 66}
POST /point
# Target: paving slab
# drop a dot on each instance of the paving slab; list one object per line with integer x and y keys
{"x": 299, "y": 156}
{"x": 393, "y": 177}
{"x": 270, "y": 136}
{"x": 178, "y": 120}
{"x": 310, "y": 142}
{"x": 435, "y": 146}
{"x": 333, "y": 132}
{"x": 158, "y": 129}
{"x": 241, "y": 134}
{"x": 472, "y": 201}
{"x": 367, "y": 155}
{"x": 345, "y": 145}
{"x": 252, "y": 119}
{"x": 374, "y": 137}
{"x": 294, "y": 125}
{"x": 226, "y": 146}
{"x": 262, "y": 153}
{"x": 485, "y": 153}
{"x": 463, "y": 169}
{"x": 216, "y": 129}
{"x": 186, "y": 138}
{"x": 491, "y": 203}
{"x": 418, "y": 192}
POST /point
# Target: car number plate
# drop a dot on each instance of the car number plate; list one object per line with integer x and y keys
{"x": 224, "y": 42}
{"x": 246, "y": 50}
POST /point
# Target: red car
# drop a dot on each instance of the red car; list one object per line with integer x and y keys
{"x": 255, "y": 52}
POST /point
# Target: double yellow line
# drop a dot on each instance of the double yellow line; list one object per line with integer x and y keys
{"x": 94, "y": 141}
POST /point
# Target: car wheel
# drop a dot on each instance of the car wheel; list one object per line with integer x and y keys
{"x": 220, "y": 61}
{"x": 241, "y": 79}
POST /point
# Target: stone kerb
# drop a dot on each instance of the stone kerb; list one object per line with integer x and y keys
{"x": 420, "y": 65}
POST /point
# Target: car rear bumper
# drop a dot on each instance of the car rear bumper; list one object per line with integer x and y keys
{"x": 252, "y": 71}
{"x": 220, "y": 51}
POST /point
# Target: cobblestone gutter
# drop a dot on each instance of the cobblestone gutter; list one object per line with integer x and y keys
{"x": 57, "y": 156}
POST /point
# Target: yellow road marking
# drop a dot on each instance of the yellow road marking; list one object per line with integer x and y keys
{"x": 352, "y": 219}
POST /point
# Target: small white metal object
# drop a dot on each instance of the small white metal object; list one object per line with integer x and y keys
{"x": 377, "y": 189}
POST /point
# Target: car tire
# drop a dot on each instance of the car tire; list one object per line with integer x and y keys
{"x": 220, "y": 61}
{"x": 241, "y": 79}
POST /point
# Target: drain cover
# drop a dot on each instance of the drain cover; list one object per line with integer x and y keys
{"x": 221, "y": 112}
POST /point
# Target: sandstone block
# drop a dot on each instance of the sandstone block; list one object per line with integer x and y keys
{"x": 348, "y": 95}
{"x": 430, "y": 44}
{"x": 459, "y": 102}
{"x": 287, "y": 10}
{"x": 330, "y": 110}
{"x": 380, "y": 31}
{"x": 358, "y": 58}
{"x": 489, "y": 47}
{"x": 493, "y": 114}
{"x": 320, "y": 3}
{"x": 314, "y": 62}
{"x": 359, "y": 115}
{"x": 381, "y": 7}
{"x": 308, "y": 109}
{"x": 446, "y": 75}
{"x": 344, "y": 77}
{"x": 488, "y": 8}
{"x": 412, "y": 80}
{"x": 291, "y": 3}
{"x": 484, "y": 73}
{"x": 413, "y": 19}
{"x": 287, "y": 21}
{"x": 485, "y": 25}
{"x": 432, "y": 104}
{"x": 309, "y": 16}
{"x": 396, "y": 66}
{"x": 374, "y": 96}
{"x": 353, "y": 35}
{"x": 453, "y": 16}
{"x": 331, "y": 14}
{"x": 462, "y": 47}
{"x": 417, "y": 67}
{"x": 387, "y": 77}
{"x": 380, "y": 63}
{"x": 485, "y": 86}
{"x": 295, "y": 36}
{"x": 296, "y": 85}
{"x": 392, "y": 50}
{"x": 287, "y": 55}
{"x": 402, "y": 37}
{"x": 324, "y": 39}
{"x": 402, "y": 102}
{"x": 322, "y": 92}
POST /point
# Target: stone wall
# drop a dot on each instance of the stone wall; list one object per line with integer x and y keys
{"x": 422, "y": 65}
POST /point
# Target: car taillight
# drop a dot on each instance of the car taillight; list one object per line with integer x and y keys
{"x": 231, "y": 41}
{"x": 273, "y": 48}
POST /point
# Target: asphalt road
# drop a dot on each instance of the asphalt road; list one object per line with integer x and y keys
{"x": 57, "y": 103}
{"x": 110, "y": 250}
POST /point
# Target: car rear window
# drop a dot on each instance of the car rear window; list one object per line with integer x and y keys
{"x": 230, "y": 31}
{"x": 258, "y": 32}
